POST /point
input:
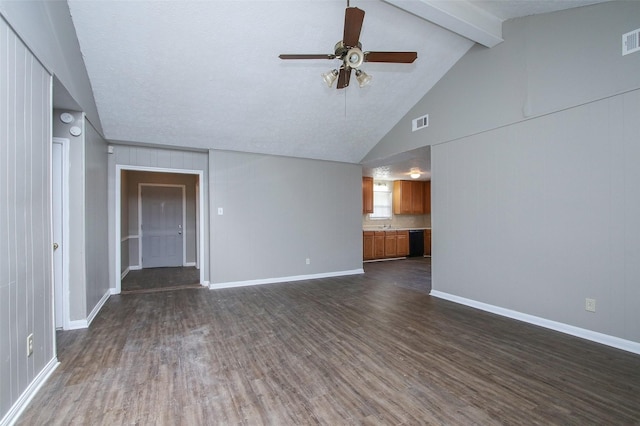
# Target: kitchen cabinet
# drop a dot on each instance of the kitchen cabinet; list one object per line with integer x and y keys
{"x": 367, "y": 195}
{"x": 368, "y": 252}
{"x": 427, "y": 242}
{"x": 378, "y": 245}
{"x": 402, "y": 243}
{"x": 408, "y": 197}
{"x": 390, "y": 244}
{"x": 427, "y": 197}
{"x": 384, "y": 244}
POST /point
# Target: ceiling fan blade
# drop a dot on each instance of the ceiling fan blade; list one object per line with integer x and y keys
{"x": 353, "y": 18}
{"x": 397, "y": 57}
{"x": 343, "y": 78}
{"x": 326, "y": 56}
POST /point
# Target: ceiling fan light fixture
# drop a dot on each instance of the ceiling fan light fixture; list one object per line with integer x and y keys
{"x": 330, "y": 76}
{"x": 415, "y": 173}
{"x": 354, "y": 57}
{"x": 363, "y": 78}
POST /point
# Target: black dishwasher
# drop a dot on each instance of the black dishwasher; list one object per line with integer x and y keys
{"x": 416, "y": 243}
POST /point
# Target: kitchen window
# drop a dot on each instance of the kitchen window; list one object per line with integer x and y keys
{"x": 381, "y": 201}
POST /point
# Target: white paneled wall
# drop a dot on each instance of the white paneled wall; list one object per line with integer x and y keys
{"x": 161, "y": 158}
{"x": 25, "y": 222}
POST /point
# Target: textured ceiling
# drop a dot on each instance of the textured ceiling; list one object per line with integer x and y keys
{"x": 206, "y": 74}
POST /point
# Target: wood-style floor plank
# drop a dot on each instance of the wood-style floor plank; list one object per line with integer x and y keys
{"x": 373, "y": 349}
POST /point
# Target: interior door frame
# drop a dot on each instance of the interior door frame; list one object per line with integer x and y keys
{"x": 118, "y": 232}
{"x": 61, "y": 301}
{"x": 184, "y": 218}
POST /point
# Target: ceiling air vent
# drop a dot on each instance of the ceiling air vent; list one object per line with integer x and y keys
{"x": 420, "y": 123}
{"x": 631, "y": 42}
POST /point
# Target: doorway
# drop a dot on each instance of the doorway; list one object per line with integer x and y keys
{"x": 60, "y": 203}
{"x": 159, "y": 240}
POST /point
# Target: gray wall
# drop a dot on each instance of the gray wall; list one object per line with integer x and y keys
{"x": 278, "y": 211}
{"x": 134, "y": 179}
{"x": 75, "y": 250}
{"x": 96, "y": 217}
{"x": 25, "y": 219}
{"x": 47, "y": 29}
{"x": 535, "y": 202}
{"x": 87, "y": 249}
{"x": 547, "y": 63}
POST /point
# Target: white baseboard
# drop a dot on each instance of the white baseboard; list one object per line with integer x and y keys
{"x": 134, "y": 268}
{"x": 232, "y": 284}
{"x": 23, "y": 401}
{"x": 98, "y": 306}
{"x": 77, "y": 324}
{"x": 189, "y": 264}
{"x": 85, "y": 323}
{"x": 594, "y": 336}
{"x": 124, "y": 273}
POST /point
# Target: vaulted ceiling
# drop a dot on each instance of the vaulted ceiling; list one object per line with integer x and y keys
{"x": 206, "y": 74}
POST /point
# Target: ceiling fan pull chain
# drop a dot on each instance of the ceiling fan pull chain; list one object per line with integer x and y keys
{"x": 345, "y": 104}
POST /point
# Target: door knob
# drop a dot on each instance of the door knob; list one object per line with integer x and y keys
{"x": 55, "y": 246}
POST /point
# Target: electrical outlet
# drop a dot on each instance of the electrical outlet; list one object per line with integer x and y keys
{"x": 590, "y": 305}
{"x": 30, "y": 345}
{"x": 308, "y": 261}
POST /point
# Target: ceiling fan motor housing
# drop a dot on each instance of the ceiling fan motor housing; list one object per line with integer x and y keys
{"x": 351, "y": 56}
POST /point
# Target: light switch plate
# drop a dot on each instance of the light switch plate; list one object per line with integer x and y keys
{"x": 220, "y": 211}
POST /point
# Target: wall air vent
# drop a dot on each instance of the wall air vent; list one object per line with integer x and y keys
{"x": 420, "y": 123}
{"x": 631, "y": 42}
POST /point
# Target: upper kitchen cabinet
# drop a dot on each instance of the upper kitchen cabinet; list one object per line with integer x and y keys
{"x": 367, "y": 195}
{"x": 427, "y": 197}
{"x": 408, "y": 197}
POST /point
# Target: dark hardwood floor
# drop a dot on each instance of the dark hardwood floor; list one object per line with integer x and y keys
{"x": 160, "y": 279}
{"x": 366, "y": 349}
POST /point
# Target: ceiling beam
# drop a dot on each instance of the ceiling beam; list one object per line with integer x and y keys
{"x": 461, "y": 17}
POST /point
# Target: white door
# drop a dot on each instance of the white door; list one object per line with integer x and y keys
{"x": 162, "y": 225}
{"x": 57, "y": 167}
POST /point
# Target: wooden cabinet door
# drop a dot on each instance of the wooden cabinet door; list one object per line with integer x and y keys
{"x": 367, "y": 246}
{"x": 408, "y": 197}
{"x": 427, "y": 242}
{"x": 417, "y": 197}
{"x": 427, "y": 197}
{"x": 402, "y": 243}
{"x": 401, "y": 197}
{"x": 378, "y": 245}
{"x": 390, "y": 244}
{"x": 367, "y": 195}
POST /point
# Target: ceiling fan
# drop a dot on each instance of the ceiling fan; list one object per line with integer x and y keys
{"x": 349, "y": 51}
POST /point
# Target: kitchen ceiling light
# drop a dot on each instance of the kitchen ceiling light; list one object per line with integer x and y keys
{"x": 415, "y": 173}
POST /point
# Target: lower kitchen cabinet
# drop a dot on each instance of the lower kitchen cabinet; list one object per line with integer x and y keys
{"x": 402, "y": 243}
{"x": 427, "y": 242}
{"x": 378, "y": 245}
{"x": 367, "y": 245}
{"x": 384, "y": 244}
{"x": 390, "y": 244}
